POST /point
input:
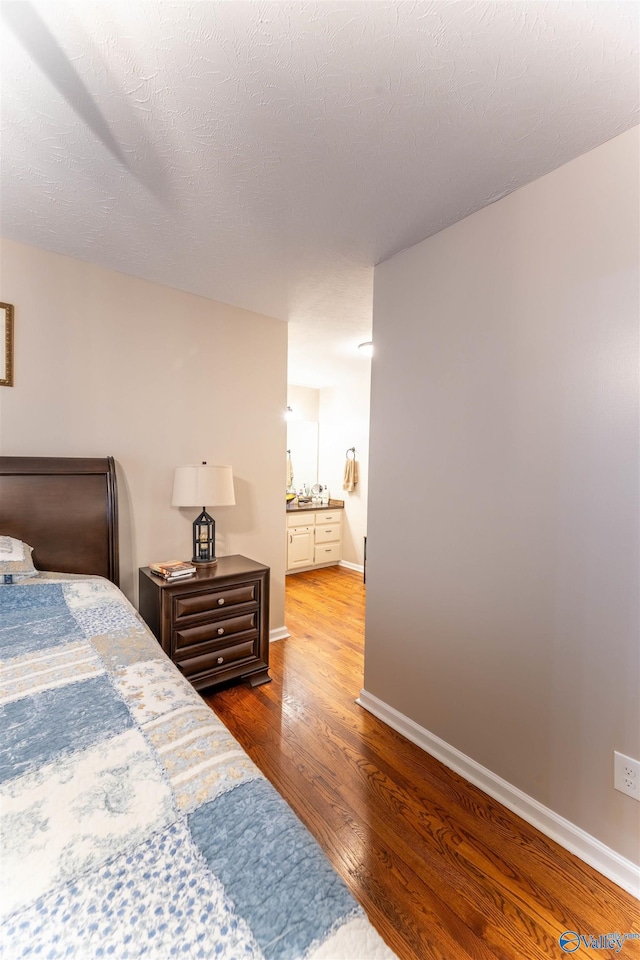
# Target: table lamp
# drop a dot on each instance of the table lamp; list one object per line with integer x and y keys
{"x": 211, "y": 486}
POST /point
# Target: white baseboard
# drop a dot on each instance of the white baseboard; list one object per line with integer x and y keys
{"x": 352, "y": 566}
{"x": 614, "y": 866}
{"x": 278, "y": 633}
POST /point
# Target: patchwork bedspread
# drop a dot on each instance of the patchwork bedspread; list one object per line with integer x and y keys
{"x": 133, "y": 824}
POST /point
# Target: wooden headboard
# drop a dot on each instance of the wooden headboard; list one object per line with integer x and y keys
{"x": 66, "y": 508}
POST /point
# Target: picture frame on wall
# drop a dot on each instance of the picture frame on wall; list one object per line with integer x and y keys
{"x": 6, "y": 344}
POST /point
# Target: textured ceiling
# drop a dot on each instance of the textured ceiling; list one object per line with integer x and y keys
{"x": 269, "y": 154}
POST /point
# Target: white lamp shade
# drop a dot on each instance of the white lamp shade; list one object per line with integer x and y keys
{"x": 201, "y": 485}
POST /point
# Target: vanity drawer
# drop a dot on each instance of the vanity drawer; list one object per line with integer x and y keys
{"x": 329, "y": 516}
{"x": 215, "y": 630}
{"x": 195, "y": 604}
{"x": 218, "y": 659}
{"x": 326, "y": 533}
{"x": 302, "y": 519}
{"x": 327, "y": 553}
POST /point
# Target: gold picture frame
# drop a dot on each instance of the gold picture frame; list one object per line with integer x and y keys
{"x": 6, "y": 344}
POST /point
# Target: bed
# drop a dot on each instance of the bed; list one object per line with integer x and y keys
{"x": 133, "y": 824}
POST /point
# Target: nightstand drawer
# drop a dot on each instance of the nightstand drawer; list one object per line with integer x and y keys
{"x": 217, "y": 659}
{"x": 199, "y": 603}
{"x": 216, "y": 630}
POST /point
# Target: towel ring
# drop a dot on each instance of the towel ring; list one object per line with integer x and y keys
{"x": 353, "y": 451}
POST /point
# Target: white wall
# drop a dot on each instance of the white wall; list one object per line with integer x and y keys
{"x": 502, "y": 606}
{"x": 107, "y": 364}
{"x": 342, "y": 412}
{"x": 344, "y": 423}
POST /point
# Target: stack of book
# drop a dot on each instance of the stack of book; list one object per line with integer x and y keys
{"x": 172, "y": 569}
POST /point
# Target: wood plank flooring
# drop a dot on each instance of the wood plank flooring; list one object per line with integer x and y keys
{"x": 442, "y": 870}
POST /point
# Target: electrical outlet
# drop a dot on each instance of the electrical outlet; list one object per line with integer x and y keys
{"x": 626, "y": 775}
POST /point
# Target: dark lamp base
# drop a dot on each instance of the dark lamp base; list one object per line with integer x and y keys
{"x": 204, "y": 540}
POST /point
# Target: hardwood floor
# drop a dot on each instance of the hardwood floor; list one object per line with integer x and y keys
{"x": 442, "y": 870}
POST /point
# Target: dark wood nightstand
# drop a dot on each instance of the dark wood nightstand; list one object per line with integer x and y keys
{"x": 215, "y": 624}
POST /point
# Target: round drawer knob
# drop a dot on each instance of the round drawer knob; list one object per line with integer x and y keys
{"x": 220, "y": 631}
{"x": 221, "y": 601}
{"x": 220, "y": 660}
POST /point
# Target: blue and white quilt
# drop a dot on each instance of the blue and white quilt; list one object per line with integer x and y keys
{"x": 133, "y": 824}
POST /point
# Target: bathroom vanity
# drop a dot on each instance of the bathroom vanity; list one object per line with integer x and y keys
{"x": 314, "y": 535}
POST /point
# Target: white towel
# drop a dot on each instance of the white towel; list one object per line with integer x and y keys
{"x": 289, "y": 473}
{"x": 350, "y": 475}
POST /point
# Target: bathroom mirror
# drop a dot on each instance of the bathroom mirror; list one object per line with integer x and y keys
{"x": 302, "y": 441}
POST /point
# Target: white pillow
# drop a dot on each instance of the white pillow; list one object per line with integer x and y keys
{"x": 15, "y": 560}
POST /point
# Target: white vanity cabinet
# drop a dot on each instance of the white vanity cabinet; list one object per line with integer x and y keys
{"x": 327, "y": 537}
{"x": 300, "y": 541}
{"x": 314, "y": 538}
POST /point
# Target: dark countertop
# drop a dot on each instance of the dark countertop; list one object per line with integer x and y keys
{"x": 306, "y": 507}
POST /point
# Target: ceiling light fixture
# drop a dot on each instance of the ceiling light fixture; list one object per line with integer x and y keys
{"x": 366, "y": 348}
